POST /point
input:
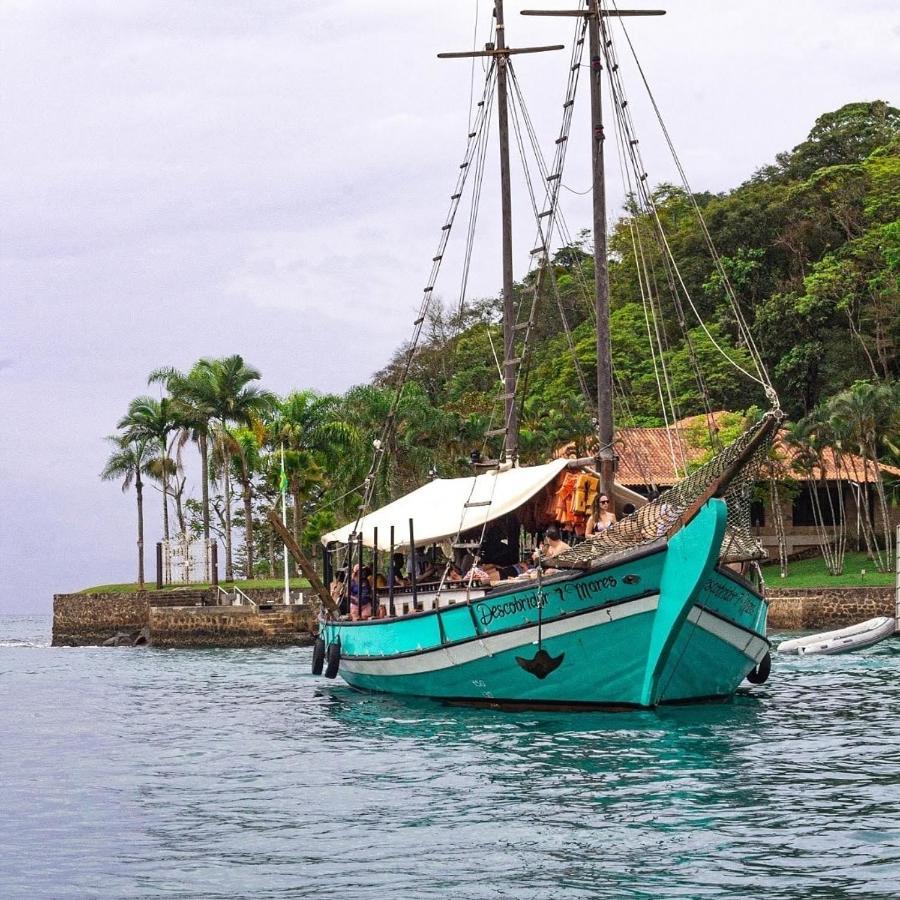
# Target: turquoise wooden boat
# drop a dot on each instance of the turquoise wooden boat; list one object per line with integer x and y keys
{"x": 646, "y": 613}
{"x": 664, "y": 623}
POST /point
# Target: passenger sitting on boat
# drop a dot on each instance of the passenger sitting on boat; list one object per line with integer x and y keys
{"x": 360, "y": 594}
{"x": 496, "y": 548}
{"x": 432, "y": 570}
{"x": 553, "y": 543}
{"x": 395, "y": 573}
{"x": 516, "y": 570}
{"x": 417, "y": 565}
{"x": 601, "y": 517}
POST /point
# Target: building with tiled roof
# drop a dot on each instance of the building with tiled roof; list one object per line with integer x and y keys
{"x": 648, "y": 456}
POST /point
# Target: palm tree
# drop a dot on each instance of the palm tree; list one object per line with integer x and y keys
{"x": 870, "y": 417}
{"x": 245, "y": 446}
{"x": 128, "y": 461}
{"x": 415, "y": 443}
{"x": 152, "y": 421}
{"x": 310, "y": 427}
{"x": 232, "y": 399}
{"x": 192, "y": 396}
{"x": 813, "y": 437}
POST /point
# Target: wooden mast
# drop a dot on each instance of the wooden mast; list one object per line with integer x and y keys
{"x": 605, "y": 427}
{"x": 606, "y": 458}
{"x": 502, "y": 53}
{"x": 511, "y": 418}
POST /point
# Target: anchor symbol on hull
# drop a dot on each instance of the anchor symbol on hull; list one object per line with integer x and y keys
{"x": 542, "y": 664}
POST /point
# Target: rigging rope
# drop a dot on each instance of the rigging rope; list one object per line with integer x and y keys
{"x": 472, "y": 69}
{"x": 761, "y": 376}
{"x": 381, "y": 444}
{"x": 646, "y": 300}
{"x": 744, "y": 328}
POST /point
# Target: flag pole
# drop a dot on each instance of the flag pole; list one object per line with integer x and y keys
{"x": 283, "y": 486}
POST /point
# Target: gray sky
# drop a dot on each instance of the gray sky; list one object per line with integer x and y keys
{"x": 185, "y": 178}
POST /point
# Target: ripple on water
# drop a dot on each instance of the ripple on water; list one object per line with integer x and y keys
{"x": 234, "y": 773}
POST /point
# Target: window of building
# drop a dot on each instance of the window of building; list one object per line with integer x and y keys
{"x": 829, "y": 497}
{"x": 757, "y": 514}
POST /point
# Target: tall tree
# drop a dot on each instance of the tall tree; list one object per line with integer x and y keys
{"x": 128, "y": 461}
{"x": 193, "y": 396}
{"x": 152, "y": 421}
{"x": 869, "y": 413}
{"x": 233, "y": 400}
{"x": 315, "y": 437}
{"x": 246, "y": 457}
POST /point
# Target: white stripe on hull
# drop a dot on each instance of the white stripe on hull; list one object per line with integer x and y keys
{"x": 488, "y": 645}
{"x": 751, "y": 645}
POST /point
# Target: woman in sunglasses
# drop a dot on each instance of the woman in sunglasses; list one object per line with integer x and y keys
{"x": 601, "y": 517}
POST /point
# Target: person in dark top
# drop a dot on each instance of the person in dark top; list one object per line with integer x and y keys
{"x": 360, "y": 594}
{"x": 396, "y": 577}
{"x": 496, "y": 550}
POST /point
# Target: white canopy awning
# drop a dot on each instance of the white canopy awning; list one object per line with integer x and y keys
{"x": 438, "y": 509}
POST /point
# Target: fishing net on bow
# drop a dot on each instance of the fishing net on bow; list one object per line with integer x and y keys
{"x": 730, "y": 475}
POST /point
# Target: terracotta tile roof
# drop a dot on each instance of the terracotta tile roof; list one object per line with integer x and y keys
{"x": 645, "y": 456}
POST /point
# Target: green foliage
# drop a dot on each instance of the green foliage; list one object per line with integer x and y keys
{"x": 848, "y": 134}
{"x": 810, "y": 248}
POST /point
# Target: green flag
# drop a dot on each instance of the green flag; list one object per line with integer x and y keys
{"x": 283, "y": 482}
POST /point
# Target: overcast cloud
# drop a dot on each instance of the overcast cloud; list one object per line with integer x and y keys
{"x": 185, "y": 178}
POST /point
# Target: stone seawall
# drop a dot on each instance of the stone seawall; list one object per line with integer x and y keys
{"x": 822, "y": 608}
{"x": 83, "y": 619}
{"x": 180, "y": 619}
{"x": 230, "y": 626}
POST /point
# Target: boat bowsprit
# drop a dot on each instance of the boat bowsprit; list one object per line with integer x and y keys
{"x": 843, "y": 640}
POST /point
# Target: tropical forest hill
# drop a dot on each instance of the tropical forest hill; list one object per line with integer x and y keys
{"x": 811, "y": 248}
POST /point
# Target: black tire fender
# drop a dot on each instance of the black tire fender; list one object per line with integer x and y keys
{"x": 759, "y": 674}
{"x": 318, "y": 657}
{"x": 333, "y": 659}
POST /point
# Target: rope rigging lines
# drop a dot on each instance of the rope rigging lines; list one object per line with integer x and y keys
{"x": 475, "y": 143}
{"x": 623, "y": 113}
{"x": 654, "y": 258}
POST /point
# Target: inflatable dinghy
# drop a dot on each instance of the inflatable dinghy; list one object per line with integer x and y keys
{"x": 865, "y": 634}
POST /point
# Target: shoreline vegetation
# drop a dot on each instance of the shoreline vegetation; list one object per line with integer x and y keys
{"x": 811, "y": 245}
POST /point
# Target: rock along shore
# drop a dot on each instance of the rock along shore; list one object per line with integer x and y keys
{"x": 181, "y": 619}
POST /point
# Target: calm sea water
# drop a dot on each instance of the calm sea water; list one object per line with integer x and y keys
{"x": 144, "y": 773}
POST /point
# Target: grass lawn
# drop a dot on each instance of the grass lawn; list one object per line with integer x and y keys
{"x": 812, "y": 573}
{"x": 296, "y": 583}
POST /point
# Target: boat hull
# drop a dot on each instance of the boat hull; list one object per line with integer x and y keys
{"x": 653, "y": 626}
